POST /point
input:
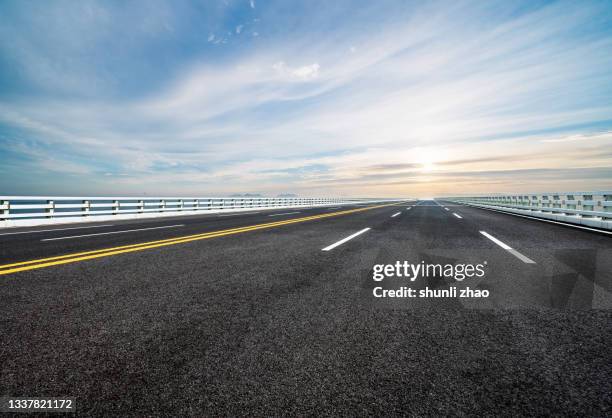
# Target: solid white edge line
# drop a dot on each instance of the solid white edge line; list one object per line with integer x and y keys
{"x": 238, "y": 214}
{"x": 112, "y": 232}
{"x": 544, "y": 220}
{"x": 287, "y": 213}
{"x": 342, "y": 241}
{"x": 395, "y": 214}
{"x": 446, "y": 209}
{"x": 458, "y": 216}
{"x": 508, "y": 248}
{"x": 51, "y": 230}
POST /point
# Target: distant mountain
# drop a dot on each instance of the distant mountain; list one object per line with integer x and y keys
{"x": 287, "y": 195}
{"x": 246, "y": 195}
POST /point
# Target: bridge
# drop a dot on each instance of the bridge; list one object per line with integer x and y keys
{"x": 225, "y": 305}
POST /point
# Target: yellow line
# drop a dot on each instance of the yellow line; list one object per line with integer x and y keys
{"x": 88, "y": 255}
{"x": 131, "y": 246}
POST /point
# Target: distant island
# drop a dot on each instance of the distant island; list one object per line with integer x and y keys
{"x": 246, "y": 195}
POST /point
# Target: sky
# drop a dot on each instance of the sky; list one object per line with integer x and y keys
{"x": 315, "y": 98}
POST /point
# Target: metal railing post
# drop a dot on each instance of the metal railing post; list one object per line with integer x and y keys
{"x": 4, "y": 208}
{"x": 51, "y": 209}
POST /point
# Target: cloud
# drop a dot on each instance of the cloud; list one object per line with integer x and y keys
{"x": 239, "y": 28}
{"x": 252, "y": 3}
{"x": 305, "y": 72}
{"x": 580, "y": 137}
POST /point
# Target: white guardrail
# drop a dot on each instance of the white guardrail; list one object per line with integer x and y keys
{"x": 41, "y": 210}
{"x": 593, "y": 209}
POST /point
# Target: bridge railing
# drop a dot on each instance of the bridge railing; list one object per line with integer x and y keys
{"x": 38, "y": 210}
{"x": 585, "y": 208}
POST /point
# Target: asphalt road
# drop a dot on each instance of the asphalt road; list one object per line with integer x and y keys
{"x": 264, "y": 322}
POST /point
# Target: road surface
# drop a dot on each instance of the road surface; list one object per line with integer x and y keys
{"x": 272, "y": 313}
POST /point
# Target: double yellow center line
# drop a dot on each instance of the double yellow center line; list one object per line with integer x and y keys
{"x": 107, "y": 252}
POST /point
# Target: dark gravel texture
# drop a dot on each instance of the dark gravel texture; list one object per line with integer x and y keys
{"x": 266, "y": 324}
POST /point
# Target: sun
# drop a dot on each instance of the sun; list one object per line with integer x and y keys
{"x": 427, "y": 165}
{"x": 426, "y": 158}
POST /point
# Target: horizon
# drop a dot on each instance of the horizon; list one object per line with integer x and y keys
{"x": 313, "y": 99}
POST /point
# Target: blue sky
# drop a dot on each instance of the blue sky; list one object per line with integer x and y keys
{"x": 386, "y": 98}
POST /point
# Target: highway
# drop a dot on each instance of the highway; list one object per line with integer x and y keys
{"x": 272, "y": 313}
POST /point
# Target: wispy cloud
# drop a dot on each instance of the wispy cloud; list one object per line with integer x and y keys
{"x": 397, "y": 100}
{"x": 305, "y": 72}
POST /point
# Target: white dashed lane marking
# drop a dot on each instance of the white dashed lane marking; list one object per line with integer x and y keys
{"x": 342, "y": 241}
{"x": 508, "y": 248}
